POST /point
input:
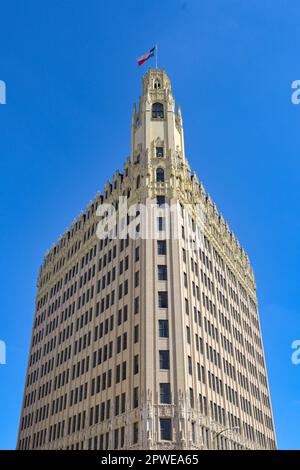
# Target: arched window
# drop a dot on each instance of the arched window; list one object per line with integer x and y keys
{"x": 157, "y": 84}
{"x": 160, "y": 175}
{"x": 157, "y": 110}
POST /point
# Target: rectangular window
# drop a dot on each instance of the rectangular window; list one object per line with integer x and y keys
{"x": 164, "y": 359}
{"x": 117, "y": 405}
{"x": 193, "y": 432}
{"x": 135, "y": 397}
{"x": 163, "y": 299}
{"x": 161, "y": 247}
{"x": 165, "y": 393}
{"x": 135, "y": 437}
{"x": 162, "y": 272}
{"x": 118, "y": 373}
{"x": 163, "y": 328}
{"x": 136, "y": 364}
{"x": 191, "y": 398}
{"x": 161, "y": 224}
{"x": 188, "y": 335}
{"x": 116, "y": 438}
{"x": 136, "y": 334}
{"x": 136, "y": 305}
{"x": 118, "y": 344}
{"x": 123, "y": 402}
{"x": 165, "y": 429}
{"x": 124, "y": 370}
{"x": 187, "y": 311}
{"x": 190, "y": 369}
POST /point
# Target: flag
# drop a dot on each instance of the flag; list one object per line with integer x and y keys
{"x": 147, "y": 56}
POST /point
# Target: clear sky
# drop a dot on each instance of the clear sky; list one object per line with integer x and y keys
{"x": 71, "y": 75}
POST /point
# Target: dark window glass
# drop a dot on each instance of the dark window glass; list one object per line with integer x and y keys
{"x": 135, "y": 433}
{"x": 161, "y": 224}
{"x": 165, "y": 393}
{"x": 166, "y": 429}
{"x": 160, "y": 175}
{"x": 157, "y": 110}
{"x": 160, "y": 200}
{"x": 163, "y": 299}
{"x": 161, "y": 247}
{"x": 164, "y": 359}
{"x": 135, "y": 397}
{"x": 163, "y": 328}
{"x": 162, "y": 272}
{"x": 159, "y": 152}
{"x": 136, "y": 364}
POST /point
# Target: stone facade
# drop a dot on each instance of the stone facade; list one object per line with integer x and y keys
{"x": 140, "y": 343}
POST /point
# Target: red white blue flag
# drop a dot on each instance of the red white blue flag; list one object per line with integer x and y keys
{"x": 147, "y": 56}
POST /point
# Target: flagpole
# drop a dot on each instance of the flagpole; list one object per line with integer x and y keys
{"x": 156, "y": 55}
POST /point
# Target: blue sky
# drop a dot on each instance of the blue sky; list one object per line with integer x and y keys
{"x": 71, "y": 76}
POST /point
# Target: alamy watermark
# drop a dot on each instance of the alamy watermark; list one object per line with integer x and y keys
{"x": 295, "y": 96}
{"x": 296, "y": 354}
{"x": 2, "y": 92}
{"x": 2, "y": 352}
{"x": 152, "y": 220}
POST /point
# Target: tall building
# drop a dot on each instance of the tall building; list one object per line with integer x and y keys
{"x": 148, "y": 341}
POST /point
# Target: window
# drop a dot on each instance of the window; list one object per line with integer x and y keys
{"x": 116, "y": 439}
{"x": 160, "y": 200}
{"x": 161, "y": 224}
{"x": 138, "y": 182}
{"x": 160, "y": 175}
{"x": 163, "y": 328}
{"x": 123, "y": 402}
{"x": 162, "y": 272}
{"x": 157, "y": 110}
{"x": 117, "y": 405}
{"x": 165, "y": 429}
{"x": 164, "y": 359}
{"x": 163, "y": 299}
{"x": 193, "y": 432}
{"x": 118, "y": 373}
{"x": 165, "y": 393}
{"x": 159, "y": 152}
{"x": 161, "y": 247}
{"x": 124, "y": 370}
{"x": 118, "y": 344}
{"x": 136, "y": 364}
{"x": 136, "y": 334}
{"x": 191, "y": 398}
{"x": 135, "y": 397}
{"x": 188, "y": 335}
{"x": 187, "y": 311}
{"x": 125, "y": 311}
{"x": 190, "y": 369}
{"x": 135, "y": 433}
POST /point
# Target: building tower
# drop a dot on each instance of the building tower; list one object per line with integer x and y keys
{"x": 144, "y": 342}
